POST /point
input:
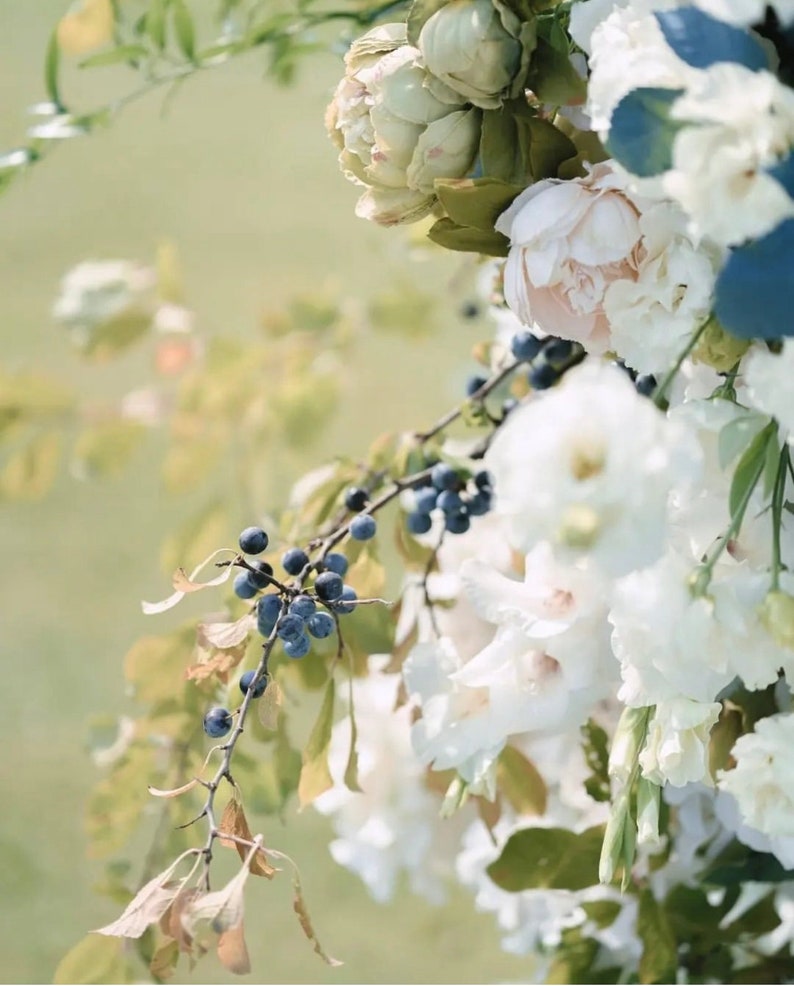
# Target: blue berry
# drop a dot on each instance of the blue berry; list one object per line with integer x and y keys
{"x": 267, "y": 612}
{"x": 525, "y": 346}
{"x": 298, "y": 646}
{"x": 418, "y": 523}
{"x": 474, "y": 383}
{"x": 294, "y": 561}
{"x": 457, "y": 523}
{"x": 336, "y": 562}
{"x": 479, "y": 504}
{"x": 253, "y": 541}
{"x": 291, "y": 626}
{"x": 217, "y": 722}
{"x": 542, "y": 376}
{"x": 303, "y": 606}
{"x": 320, "y": 625}
{"x": 483, "y": 480}
{"x": 356, "y": 499}
{"x": 260, "y": 574}
{"x": 363, "y": 527}
{"x": 469, "y": 309}
{"x": 444, "y": 477}
{"x": 558, "y": 350}
{"x": 645, "y": 384}
{"x": 328, "y": 586}
{"x": 343, "y": 606}
{"x": 243, "y": 587}
{"x": 425, "y": 499}
{"x": 245, "y": 683}
{"x": 450, "y": 502}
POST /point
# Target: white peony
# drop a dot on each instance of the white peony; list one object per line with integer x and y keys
{"x": 394, "y": 135}
{"x": 589, "y": 466}
{"x": 569, "y": 240}
{"x": 737, "y": 124}
{"x": 676, "y": 748}
{"x": 768, "y": 378}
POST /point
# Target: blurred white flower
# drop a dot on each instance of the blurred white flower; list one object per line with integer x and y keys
{"x": 568, "y": 469}
{"x": 768, "y": 378}
{"x": 96, "y": 292}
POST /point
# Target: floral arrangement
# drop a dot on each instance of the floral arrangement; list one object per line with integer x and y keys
{"x": 586, "y": 656}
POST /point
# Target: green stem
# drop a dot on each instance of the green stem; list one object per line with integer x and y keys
{"x": 659, "y": 395}
{"x": 778, "y": 496}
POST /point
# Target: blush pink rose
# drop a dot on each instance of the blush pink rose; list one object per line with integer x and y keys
{"x": 569, "y": 240}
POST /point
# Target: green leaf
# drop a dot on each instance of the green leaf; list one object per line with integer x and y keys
{"x": 519, "y": 780}
{"x": 550, "y": 858}
{"x": 96, "y": 959}
{"x": 29, "y": 473}
{"x": 499, "y": 151}
{"x": 748, "y": 471}
{"x": 123, "y": 53}
{"x": 595, "y": 746}
{"x": 545, "y": 147}
{"x": 736, "y": 435}
{"x": 552, "y": 77}
{"x": 315, "y": 775}
{"x": 468, "y": 240}
{"x": 106, "y": 449}
{"x": 111, "y": 338}
{"x": 659, "y": 959}
{"x": 155, "y": 23}
{"x": 51, "y": 68}
{"x": 351, "y": 768}
{"x": 185, "y": 32}
{"x": 154, "y": 664}
{"x": 420, "y": 12}
{"x": 477, "y": 202}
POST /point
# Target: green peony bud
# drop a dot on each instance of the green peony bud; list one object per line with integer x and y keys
{"x": 472, "y": 47}
{"x": 395, "y": 134}
{"x": 777, "y": 615}
{"x": 719, "y": 348}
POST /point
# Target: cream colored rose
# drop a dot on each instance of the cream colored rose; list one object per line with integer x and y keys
{"x": 569, "y": 240}
{"x": 395, "y": 136}
{"x": 676, "y": 748}
{"x": 472, "y": 47}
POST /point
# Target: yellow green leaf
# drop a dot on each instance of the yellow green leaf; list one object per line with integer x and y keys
{"x": 315, "y": 775}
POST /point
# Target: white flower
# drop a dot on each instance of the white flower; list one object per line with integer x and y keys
{"x": 458, "y": 728}
{"x": 568, "y": 468}
{"x": 389, "y": 826}
{"x": 652, "y": 316}
{"x": 738, "y": 123}
{"x": 472, "y": 47}
{"x": 394, "y": 135}
{"x": 676, "y": 748}
{"x": 743, "y": 13}
{"x": 768, "y": 377}
{"x": 569, "y": 240}
{"x": 97, "y": 292}
{"x": 763, "y": 779}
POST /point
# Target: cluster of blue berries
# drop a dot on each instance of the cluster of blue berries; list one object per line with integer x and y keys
{"x": 363, "y": 526}
{"x": 549, "y": 358}
{"x": 218, "y": 721}
{"x": 645, "y": 383}
{"x": 458, "y": 500}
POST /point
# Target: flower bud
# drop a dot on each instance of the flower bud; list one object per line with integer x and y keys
{"x": 649, "y": 796}
{"x": 627, "y": 742}
{"x": 472, "y": 46}
{"x": 777, "y": 616}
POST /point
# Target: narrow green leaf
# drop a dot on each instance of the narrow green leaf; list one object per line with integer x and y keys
{"x": 52, "y": 62}
{"x": 185, "y": 32}
{"x": 351, "y": 769}
{"x": 315, "y": 775}
{"x": 659, "y": 960}
{"x": 749, "y": 469}
{"x": 124, "y": 53}
{"x": 155, "y": 23}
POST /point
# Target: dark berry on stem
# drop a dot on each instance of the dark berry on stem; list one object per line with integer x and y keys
{"x": 645, "y": 384}
{"x": 450, "y": 502}
{"x": 267, "y": 612}
{"x": 479, "y": 504}
{"x": 444, "y": 477}
{"x": 245, "y": 683}
{"x": 297, "y": 647}
{"x": 474, "y": 383}
{"x": 260, "y": 574}
{"x": 253, "y": 541}
{"x": 558, "y": 350}
{"x": 525, "y": 346}
{"x": 483, "y": 479}
{"x": 303, "y": 606}
{"x": 344, "y": 604}
{"x": 363, "y": 527}
{"x": 294, "y": 561}
{"x": 356, "y": 498}
{"x": 336, "y": 562}
{"x": 425, "y": 499}
{"x": 328, "y": 586}
{"x": 542, "y": 376}
{"x": 217, "y": 722}
{"x": 457, "y": 523}
{"x": 243, "y": 587}
{"x": 418, "y": 523}
{"x": 291, "y": 626}
{"x": 320, "y": 625}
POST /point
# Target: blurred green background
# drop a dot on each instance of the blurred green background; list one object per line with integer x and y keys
{"x": 239, "y": 173}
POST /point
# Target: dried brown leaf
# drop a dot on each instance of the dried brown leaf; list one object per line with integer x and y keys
{"x": 171, "y": 922}
{"x": 157, "y": 792}
{"x": 220, "y": 910}
{"x": 233, "y": 952}
{"x": 184, "y": 583}
{"x": 227, "y": 635}
{"x": 234, "y": 822}
{"x": 270, "y": 705}
{"x": 164, "y": 960}
{"x": 215, "y": 662}
{"x": 299, "y": 906}
{"x": 147, "y": 906}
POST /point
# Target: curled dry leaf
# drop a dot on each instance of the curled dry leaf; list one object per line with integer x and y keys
{"x": 215, "y": 662}
{"x": 171, "y": 922}
{"x": 174, "y": 792}
{"x": 226, "y": 635}
{"x": 270, "y": 705}
{"x": 220, "y": 910}
{"x": 299, "y": 905}
{"x": 148, "y": 905}
{"x": 234, "y": 822}
{"x": 233, "y": 952}
{"x": 184, "y": 583}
